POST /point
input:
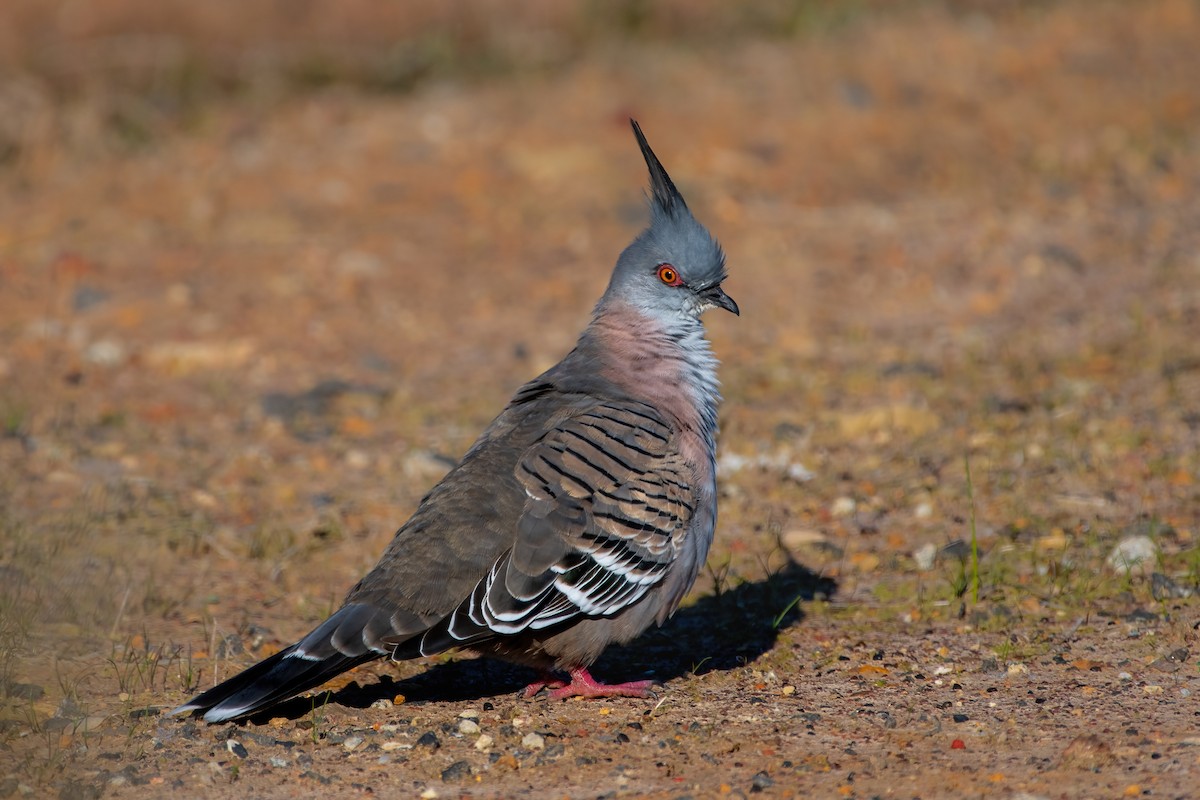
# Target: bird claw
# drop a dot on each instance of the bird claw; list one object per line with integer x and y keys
{"x": 548, "y": 681}
{"x": 582, "y": 684}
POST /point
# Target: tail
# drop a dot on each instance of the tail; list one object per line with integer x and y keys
{"x": 352, "y": 636}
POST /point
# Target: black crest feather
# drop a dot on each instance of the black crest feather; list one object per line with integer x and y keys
{"x": 666, "y": 196}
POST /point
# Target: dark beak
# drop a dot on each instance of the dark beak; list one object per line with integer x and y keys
{"x": 716, "y": 295}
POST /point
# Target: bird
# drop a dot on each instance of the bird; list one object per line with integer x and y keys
{"x": 580, "y": 517}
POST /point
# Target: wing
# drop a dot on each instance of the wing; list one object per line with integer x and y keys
{"x": 607, "y": 507}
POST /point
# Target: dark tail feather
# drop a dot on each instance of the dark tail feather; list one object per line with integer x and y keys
{"x": 353, "y": 635}
{"x": 267, "y": 682}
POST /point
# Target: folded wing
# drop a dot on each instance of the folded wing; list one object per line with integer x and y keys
{"x": 608, "y": 504}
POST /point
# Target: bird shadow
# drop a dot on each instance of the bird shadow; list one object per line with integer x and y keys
{"x": 720, "y": 631}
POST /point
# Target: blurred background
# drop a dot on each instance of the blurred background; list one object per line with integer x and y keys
{"x": 267, "y": 268}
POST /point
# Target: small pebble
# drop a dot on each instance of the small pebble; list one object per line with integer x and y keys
{"x": 31, "y": 691}
{"x": 484, "y": 743}
{"x": 470, "y": 713}
{"x": 925, "y": 555}
{"x": 456, "y": 771}
{"x": 428, "y": 739}
{"x": 843, "y": 507}
{"x": 352, "y": 743}
{"x": 961, "y": 718}
{"x": 468, "y": 727}
{"x": 277, "y": 761}
{"x": 105, "y": 353}
{"x": 761, "y": 780}
{"x": 1133, "y": 553}
{"x": 534, "y": 741}
{"x": 1163, "y": 588}
{"x": 357, "y": 459}
{"x": 383, "y": 705}
{"x": 429, "y": 794}
{"x": 1124, "y": 676}
{"x": 391, "y": 745}
{"x": 1017, "y": 669}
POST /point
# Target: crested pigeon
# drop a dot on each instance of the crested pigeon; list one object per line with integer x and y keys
{"x": 581, "y": 516}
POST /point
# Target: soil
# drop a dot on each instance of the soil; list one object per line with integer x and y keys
{"x": 238, "y": 343}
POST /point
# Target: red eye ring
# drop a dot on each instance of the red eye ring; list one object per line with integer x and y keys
{"x": 669, "y": 275}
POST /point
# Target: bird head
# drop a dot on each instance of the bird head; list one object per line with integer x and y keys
{"x": 674, "y": 268}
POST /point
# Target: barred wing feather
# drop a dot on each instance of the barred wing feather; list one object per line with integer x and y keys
{"x": 608, "y": 504}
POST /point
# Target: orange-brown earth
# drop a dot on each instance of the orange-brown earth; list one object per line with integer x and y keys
{"x": 237, "y": 344}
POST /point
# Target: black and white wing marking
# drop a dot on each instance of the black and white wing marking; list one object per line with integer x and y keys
{"x": 608, "y": 504}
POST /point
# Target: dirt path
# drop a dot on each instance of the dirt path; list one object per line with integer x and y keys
{"x": 233, "y": 358}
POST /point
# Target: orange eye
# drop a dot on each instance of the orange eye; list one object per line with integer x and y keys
{"x": 668, "y": 275}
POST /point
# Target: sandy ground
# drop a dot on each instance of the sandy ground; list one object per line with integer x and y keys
{"x": 233, "y": 356}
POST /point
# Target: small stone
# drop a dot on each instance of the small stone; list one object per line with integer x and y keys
{"x": 429, "y": 794}
{"x": 430, "y": 740}
{"x": 534, "y": 741}
{"x": 788, "y": 690}
{"x": 382, "y": 705}
{"x": 798, "y": 473}
{"x": 925, "y": 555}
{"x": 352, "y": 743}
{"x": 105, "y": 353}
{"x": 24, "y": 691}
{"x": 1017, "y": 669}
{"x": 1124, "y": 676}
{"x": 457, "y": 771}
{"x": 468, "y": 727}
{"x": 236, "y": 747}
{"x": 761, "y": 780}
{"x": 1171, "y": 662}
{"x": 357, "y": 459}
{"x": 87, "y": 296}
{"x": 484, "y": 743}
{"x": 1163, "y": 588}
{"x": 1088, "y": 752}
{"x": 470, "y": 713}
{"x": 923, "y": 511}
{"x": 960, "y": 718}
{"x": 956, "y": 549}
{"x": 1133, "y": 553}
{"x": 843, "y": 507}
{"x": 278, "y": 761}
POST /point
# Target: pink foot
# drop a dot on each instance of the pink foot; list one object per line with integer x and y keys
{"x": 546, "y": 681}
{"x": 584, "y": 685}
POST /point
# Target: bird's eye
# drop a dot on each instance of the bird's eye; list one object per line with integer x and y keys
{"x": 669, "y": 275}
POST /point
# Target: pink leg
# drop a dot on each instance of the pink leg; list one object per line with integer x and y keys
{"x": 584, "y": 685}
